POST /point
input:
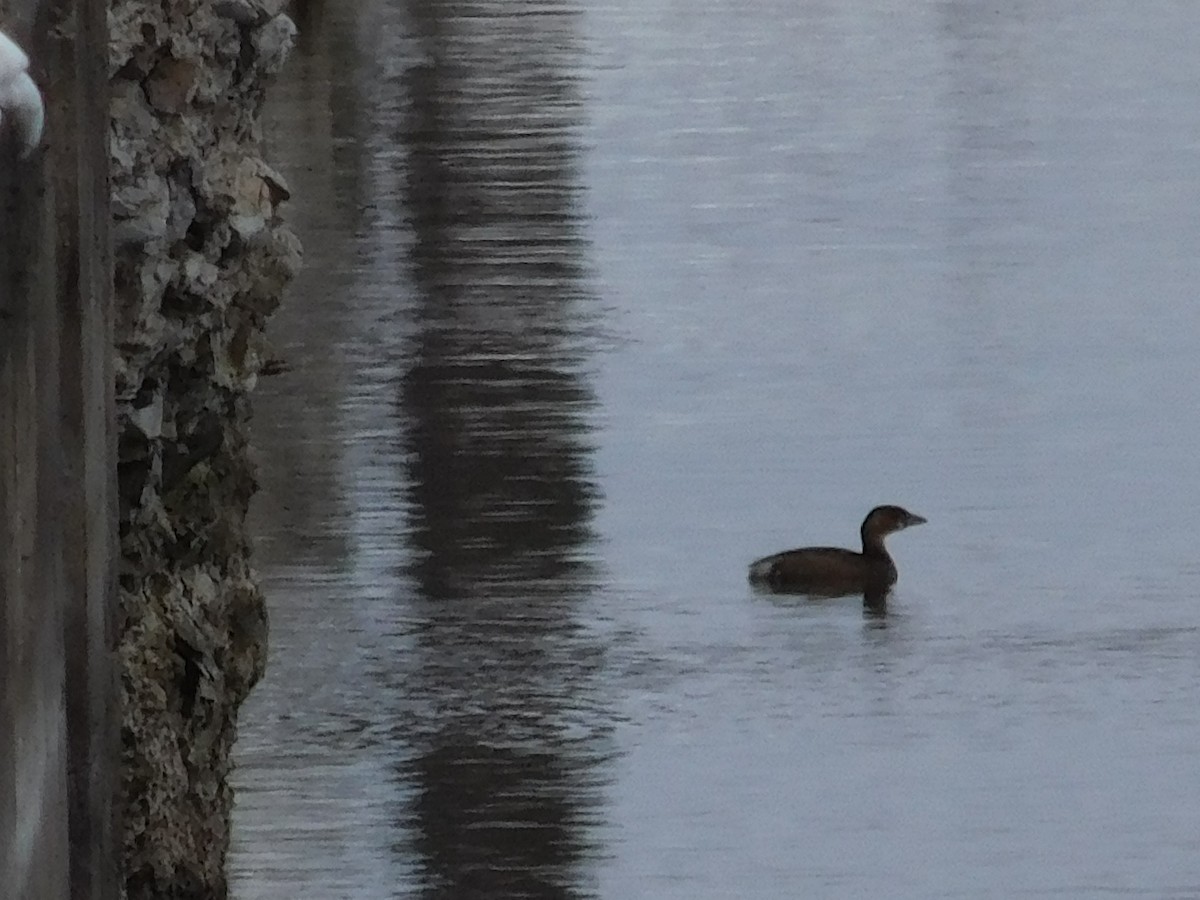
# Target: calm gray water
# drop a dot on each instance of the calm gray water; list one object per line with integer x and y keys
{"x": 604, "y": 301}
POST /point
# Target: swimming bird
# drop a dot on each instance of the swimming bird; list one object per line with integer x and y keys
{"x": 834, "y": 572}
{"x": 21, "y": 107}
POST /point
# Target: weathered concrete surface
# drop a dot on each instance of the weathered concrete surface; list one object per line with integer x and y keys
{"x": 58, "y": 747}
{"x": 201, "y": 259}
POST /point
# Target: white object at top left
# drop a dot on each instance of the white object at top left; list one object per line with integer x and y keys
{"x": 21, "y": 105}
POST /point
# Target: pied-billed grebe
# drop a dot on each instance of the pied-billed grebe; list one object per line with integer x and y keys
{"x": 833, "y": 572}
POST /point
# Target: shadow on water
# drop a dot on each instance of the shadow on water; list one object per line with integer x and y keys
{"x": 499, "y": 492}
{"x": 874, "y": 602}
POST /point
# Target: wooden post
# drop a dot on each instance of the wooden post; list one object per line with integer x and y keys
{"x": 58, "y": 747}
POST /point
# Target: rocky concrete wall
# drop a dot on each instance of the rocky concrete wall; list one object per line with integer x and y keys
{"x": 201, "y": 258}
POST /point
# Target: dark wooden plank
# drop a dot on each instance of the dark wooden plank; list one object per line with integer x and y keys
{"x": 76, "y": 48}
{"x": 58, "y": 750}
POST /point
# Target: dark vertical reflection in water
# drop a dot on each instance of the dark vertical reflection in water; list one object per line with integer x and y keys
{"x": 499, "y": 490}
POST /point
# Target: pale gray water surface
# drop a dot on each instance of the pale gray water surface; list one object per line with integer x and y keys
{"x": 602, "y": 302}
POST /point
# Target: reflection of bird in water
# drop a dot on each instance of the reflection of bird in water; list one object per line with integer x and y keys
{"x": 833, "y": 572}
{"x": 21, "y": 106}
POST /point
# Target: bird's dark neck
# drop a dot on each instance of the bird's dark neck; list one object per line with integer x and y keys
{"x": 873, "y": 546}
